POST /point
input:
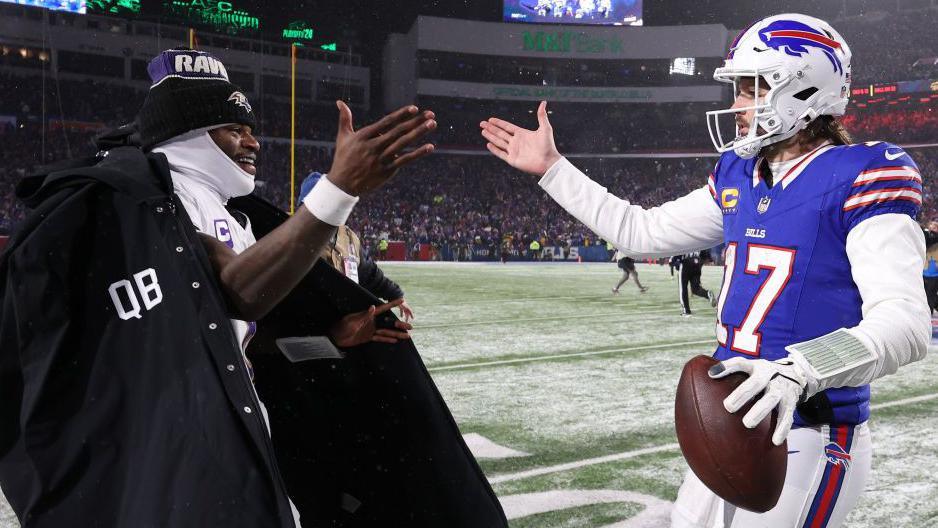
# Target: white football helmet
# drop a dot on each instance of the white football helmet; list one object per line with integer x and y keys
{"x": 806, "y": 65}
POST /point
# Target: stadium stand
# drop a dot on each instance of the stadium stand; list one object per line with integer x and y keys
{"x": 458, "y": 198}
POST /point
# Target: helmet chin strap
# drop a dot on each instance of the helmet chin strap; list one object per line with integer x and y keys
{"x": 750, "y": 150}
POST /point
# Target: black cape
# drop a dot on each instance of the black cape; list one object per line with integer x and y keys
{"x": 366, "y": 440}
{"x": 126, "y": 402}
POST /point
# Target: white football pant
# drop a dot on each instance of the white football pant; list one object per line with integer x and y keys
{"x": 828, "y": 467}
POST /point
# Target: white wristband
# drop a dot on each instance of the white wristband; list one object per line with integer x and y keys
{"x": 329, "y": 203}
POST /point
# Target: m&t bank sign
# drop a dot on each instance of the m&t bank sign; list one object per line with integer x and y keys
{"x": 568, "y": 42}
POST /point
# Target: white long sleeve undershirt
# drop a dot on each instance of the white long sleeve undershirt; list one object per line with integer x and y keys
{"x": 886, "y": 253}
{"x": 690, "y": 223}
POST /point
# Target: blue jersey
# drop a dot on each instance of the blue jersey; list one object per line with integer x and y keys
{"x": 787, "y": 276}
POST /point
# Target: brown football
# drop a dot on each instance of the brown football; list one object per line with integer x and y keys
{"x": 740, "y": 465}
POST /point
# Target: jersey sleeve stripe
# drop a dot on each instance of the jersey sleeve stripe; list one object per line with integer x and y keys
{"x": 898, "y": 177}
{"x": 883, "y": 195}
{"x": 890, "y": 168}
{"x": 887, "y": 172}
{"x": 877, "y": 185}
{"x": 711, "y": 186}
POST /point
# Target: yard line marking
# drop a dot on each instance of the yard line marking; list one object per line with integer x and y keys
{"x": 508, "y": 477}
{"x": 896, "y": 403}
{"x": 513, "y": 299}
{"x": 555, "y": 318}
{"x": 572, "y": 354}
{"x": 582, "y": 463}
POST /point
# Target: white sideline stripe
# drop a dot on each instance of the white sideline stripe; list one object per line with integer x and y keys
{"x": 650, "y": 450}
{"x": 582, "y": 463}
{"x": 916, "y": 399}
{"x": 552, "y": 318}
{"x": 573, "y": 354}
{"x": 513, "y": 299}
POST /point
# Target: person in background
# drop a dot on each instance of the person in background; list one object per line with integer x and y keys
{"x": 344, "y": 253}
{"x": 674, "y": 263}
{"x": 930, "y": 276}
{"x": 627, "y": 265}
{"x": 689, "y": 271}
{"x": 535, "y": 248}
{"x": 930, "y": 273}
{"x": 383, "y": 249}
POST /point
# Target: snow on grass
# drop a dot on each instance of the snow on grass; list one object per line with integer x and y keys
{"x": 7, "y": 518}
{"x": 570, "y": 400}
{"x": 903, "y": 488}
{"x": 569, "y": 409}
{"x": 543, "y": 310}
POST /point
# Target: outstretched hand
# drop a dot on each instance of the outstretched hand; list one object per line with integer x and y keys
{"x": 359, "y": 327}
{"x": 366, "y": 158}
{"x": 532, "y": 151}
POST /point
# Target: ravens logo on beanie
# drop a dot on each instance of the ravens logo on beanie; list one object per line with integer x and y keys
{"x": 190, "y": 90}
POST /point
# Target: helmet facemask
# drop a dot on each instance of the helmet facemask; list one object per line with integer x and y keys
{"x": 766, "y": 126}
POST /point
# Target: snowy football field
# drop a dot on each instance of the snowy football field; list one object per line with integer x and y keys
{"x": 566, "y": 393}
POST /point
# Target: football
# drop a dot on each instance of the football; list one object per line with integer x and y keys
{"x": 742, "y": 466}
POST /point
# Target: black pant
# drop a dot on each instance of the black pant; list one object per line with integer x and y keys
{"x": 690, "y": 275}
{"x": 931, "y": 292}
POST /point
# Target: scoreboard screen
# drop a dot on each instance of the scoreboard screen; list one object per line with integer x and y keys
{"x": 74, "y": 6}
{"x": 221, "y": 15}
{"x": 114, "y": 7}
{"x": 596, "y": 12}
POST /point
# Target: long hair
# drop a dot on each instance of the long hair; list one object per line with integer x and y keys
{"x": 826, "y": 127}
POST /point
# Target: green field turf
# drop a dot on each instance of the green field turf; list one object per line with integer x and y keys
{"x": 543, "y": 359}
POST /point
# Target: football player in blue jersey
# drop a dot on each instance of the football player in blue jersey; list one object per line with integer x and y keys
{"x": 821, "y": 290}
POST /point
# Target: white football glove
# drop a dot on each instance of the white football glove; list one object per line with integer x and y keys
{"x": 785, "y": 382}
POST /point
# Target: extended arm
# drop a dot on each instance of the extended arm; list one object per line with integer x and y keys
{"x": 261, "y": 276}
{"x": 255, "y": 280}
{"x": 690, "y": 223}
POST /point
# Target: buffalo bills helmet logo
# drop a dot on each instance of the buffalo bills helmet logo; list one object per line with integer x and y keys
{"x": 794, "y": 38}
{"x": 837, "y": 456}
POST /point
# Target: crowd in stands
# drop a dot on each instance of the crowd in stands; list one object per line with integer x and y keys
{"x": 27, "y": 98}
{"x": 885, "y": 44}
{"x": 908, "y": 125}
{"x": 30, "y": 97}
{"x": 22, "y": 149}
{"x": 453, "y": 200}
{"x": 463, "y": 201}
{"x": 460, "y": 201}
{"x": 624, "y": 127}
